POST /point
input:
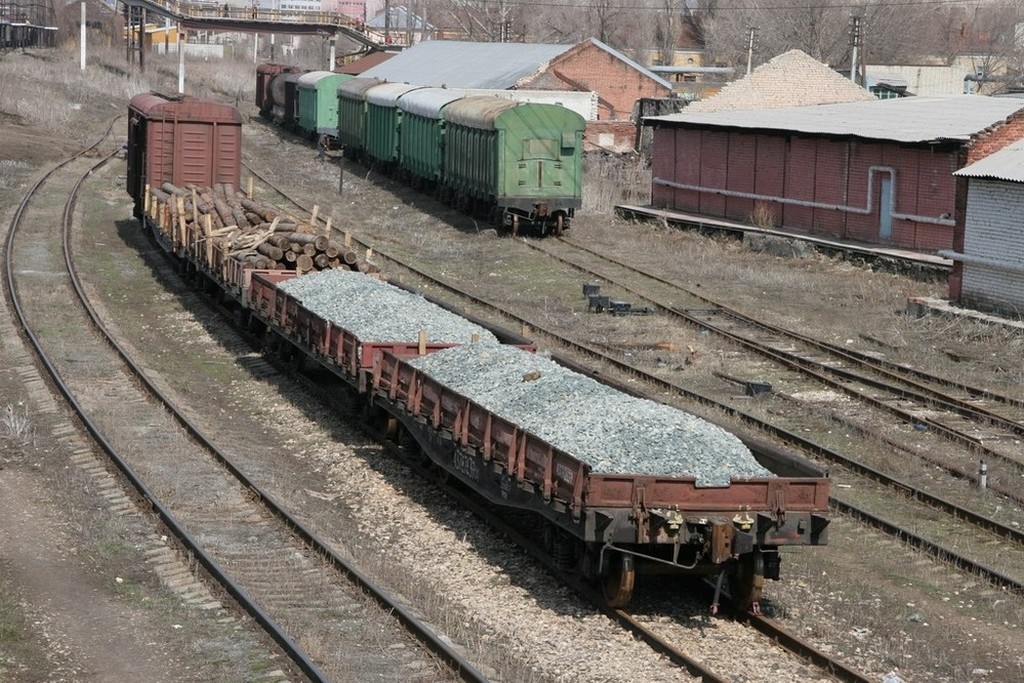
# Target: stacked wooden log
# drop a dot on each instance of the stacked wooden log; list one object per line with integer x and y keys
{"x": 218, "y": 222}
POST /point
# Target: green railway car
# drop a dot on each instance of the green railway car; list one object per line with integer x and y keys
{"x": 524, "y": 161}
{"x": 352, "y": 115}
{"x": 318, "y": 102}
{"x": 384, "y": 121}
{"x": 422, "y": 140}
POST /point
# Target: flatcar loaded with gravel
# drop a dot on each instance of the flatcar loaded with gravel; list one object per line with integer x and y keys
{"x": 624, "y": 486}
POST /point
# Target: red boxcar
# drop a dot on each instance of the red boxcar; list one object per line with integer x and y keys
{"x": 181, "y": 140}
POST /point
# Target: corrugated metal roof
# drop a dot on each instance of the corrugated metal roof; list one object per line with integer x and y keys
{"x": 365, "y": 63}
{"x": 906, "y": 119}
{"x": 461, "y": 64}
{"x": 1006, "y": 164}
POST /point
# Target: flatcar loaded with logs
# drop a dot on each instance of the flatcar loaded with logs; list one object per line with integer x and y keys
{"x": 620, "y": 485}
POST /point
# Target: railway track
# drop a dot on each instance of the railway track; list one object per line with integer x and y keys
{"x": 971, "y": 417}
{"x": 772, "y": 631}
{"x": 286, "y": 578}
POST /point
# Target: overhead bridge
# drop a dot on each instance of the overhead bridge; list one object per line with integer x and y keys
{"x": 193, "y": 16}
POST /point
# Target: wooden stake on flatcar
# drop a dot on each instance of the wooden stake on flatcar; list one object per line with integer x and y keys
{"x": 312, "y": 217}
{"x": 208, "y": 228}
{"x": 249, "y": 188}
{"x": 422, "y": 339}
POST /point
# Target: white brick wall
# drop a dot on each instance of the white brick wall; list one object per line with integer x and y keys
{"x": 994, "y": 231}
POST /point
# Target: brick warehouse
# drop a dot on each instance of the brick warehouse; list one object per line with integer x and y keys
{"x": 877, "y": 172}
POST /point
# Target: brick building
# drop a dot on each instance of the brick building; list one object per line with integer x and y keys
{"x": 591, "y": 65}
{"x": 873, "y": 171}
{"x": 991, "y": 258}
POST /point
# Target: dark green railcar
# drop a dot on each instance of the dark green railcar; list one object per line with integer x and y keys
{"x": 384, "y": 121}
{"x": 352, "y": 115}
{"x": 422, "y": 140}
{"x": 523, "y": 160}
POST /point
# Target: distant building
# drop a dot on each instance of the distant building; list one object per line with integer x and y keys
{"x": 922, "y": 80}
{"x": 404, "y": 27}
{"x": 872, "y": 171}
{"x": 991, "y": 256}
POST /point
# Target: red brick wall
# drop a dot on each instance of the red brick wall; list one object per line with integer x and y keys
{"x": 996, "y": 138}
{"x": 618, "y": 85}
{"x": 615, "y": 136}
{"x": 821, "y": 171}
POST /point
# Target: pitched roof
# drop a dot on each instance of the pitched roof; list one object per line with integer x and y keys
{"x": 1006, "y": 164}
{"x": 617, "y": 55}
{"x": 793, "y": 79}
{"x": 462, "y": 64}
{"x": 905, "y": 119}
{"x": 357, "y": 67}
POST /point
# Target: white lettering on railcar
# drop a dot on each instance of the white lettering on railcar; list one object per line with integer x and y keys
{"x": 466, "y": 465}
{"x": 565, "y": 473}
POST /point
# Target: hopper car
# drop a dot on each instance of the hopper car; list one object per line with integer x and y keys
{"x": 499, "y": 154}
{"x": 607, "y": 525}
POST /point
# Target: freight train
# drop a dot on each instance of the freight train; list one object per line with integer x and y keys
{"x": 674, "y": 495}
{"x": 496, "y": 155}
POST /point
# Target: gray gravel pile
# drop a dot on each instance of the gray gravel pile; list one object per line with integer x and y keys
{"x": 609, "y": 430}
{"x": 375, "y": 311}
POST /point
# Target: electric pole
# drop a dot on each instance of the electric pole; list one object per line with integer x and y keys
{"x": 855, "y": 38}
{"x": 750, "y": 48}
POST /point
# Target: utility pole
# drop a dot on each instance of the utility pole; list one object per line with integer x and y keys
{"x": 750, "y": 48}
{"x": 855, "y": 42}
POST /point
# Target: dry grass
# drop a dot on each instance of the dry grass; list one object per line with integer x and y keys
{"x": 16, "y": 431}
{"x": 763, "y": 216}
{"x": 611, "y": 180}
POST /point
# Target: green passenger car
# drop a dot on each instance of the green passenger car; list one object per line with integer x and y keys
{"x": 352, "y": 115}
{"x": 384, "y": 121}
{"x": 318, "y": 102}
{"x": 524, "y": 161}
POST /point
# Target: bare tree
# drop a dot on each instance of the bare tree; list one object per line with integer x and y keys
{"x": 821, "y": 28}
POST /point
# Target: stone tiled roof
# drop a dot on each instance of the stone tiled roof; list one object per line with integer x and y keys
{"x": 793, "y": 79}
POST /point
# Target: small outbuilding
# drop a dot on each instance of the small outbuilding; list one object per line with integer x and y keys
{"x": 878, "y": 171}
{"x": 989, "y": 261}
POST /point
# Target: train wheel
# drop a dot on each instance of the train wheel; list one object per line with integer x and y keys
{"x": 617, "y": 583}
{"x": 746, "y": 582}
{"x": 559, "y": 226}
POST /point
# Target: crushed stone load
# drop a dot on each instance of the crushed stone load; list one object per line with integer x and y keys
{"x": 375, "y": 311}
{"x": 609, "y": 430}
